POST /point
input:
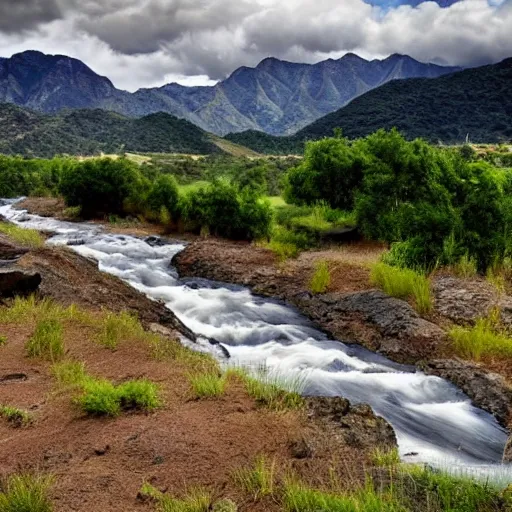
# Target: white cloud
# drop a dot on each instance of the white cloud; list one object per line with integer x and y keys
{"x": 151, "y": 42}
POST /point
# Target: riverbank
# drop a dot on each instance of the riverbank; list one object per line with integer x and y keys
{"x": 101, "y": 463}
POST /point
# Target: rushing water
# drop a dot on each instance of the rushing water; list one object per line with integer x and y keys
{"x": 433, "y": 420}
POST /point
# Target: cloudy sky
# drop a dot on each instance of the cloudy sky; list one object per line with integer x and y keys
{"x": 144, "y": 43}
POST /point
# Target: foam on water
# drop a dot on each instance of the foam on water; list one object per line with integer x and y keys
{"x": 433, "y": 420}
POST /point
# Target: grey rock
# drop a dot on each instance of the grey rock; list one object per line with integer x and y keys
{"x": 489, "y": 391}
{"x": 18, "y": 282}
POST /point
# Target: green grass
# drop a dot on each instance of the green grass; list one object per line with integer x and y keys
{"x": 47, "y": 341}
{"x": 27, "y": 237}
{"x": 117, "y": 327}
{"x": 258, "y": 480}
{"x": 321, "y": 278}
{"x": 196, "y": 500}
{"x": 208, "y": 384}
{"x": 16, "y": 417}
{"x": 26, "y": 493}
{"x": 101, "y": 397}
{"x": 466, "y": 267}
{"x": 385, "y": 458}
{"x": 276, "y": 201}
{"x": 483, "y": 339}
{"x": 69, "y": 374}
{"x": 270, "y": 390}
{"x": 403, "y": 283}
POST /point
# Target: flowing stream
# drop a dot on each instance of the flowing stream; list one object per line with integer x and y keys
{"x": 434, "y": 421}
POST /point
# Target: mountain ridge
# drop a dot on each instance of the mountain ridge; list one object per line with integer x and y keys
{"x": 276, "y": 96}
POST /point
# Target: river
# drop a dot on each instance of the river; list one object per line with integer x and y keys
{"x": 434, "y": 421}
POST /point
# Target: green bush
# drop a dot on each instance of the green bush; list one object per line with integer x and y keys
{"x": 225, "y": 211}
{"x": 103, "y": 186}
{"x": 164, "y": 194}
{"x": 321, "y": 278}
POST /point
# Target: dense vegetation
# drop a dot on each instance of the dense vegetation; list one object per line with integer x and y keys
{"x": 90, "y": 132}
{"x": 475, "y": 103}
{"x": 434, "y": 206}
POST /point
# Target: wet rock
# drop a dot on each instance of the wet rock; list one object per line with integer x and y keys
{"x": 18, "y": 282}
{"x": 400, "y": 333}
{"x": 358, "y": 425}
{"x": 155, "y": 241}
{"x": 489, "y": 391}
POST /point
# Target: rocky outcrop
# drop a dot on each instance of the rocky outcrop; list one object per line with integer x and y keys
{"x": 488, "y": 390}
{"x": 18, "y": 282}
{"x": 398, "y": 331}
{"x": 9, "y": 251}
{"x": 464, "y": 301}
{"x": 358, "y": 425}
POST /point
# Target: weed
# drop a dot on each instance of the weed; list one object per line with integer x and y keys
{"x": 466, "y": 267}
{"x": 385, "y": 458}
{"x": 271, "y": 390}
{"x": 69, "y": 373}
{"x": 404, "y": 284}
{"x": 3, "y": 341}
{"x": 208, "y": 385}
{"x": 138, "y": 394}
{"x": 196, "y": 500}
{"x": 47, "y": 340}
{"x": 26, "y": 493}
{"x": 27, "y": 237}
{"x": 16, "y": 417}
{"x": 259, "y": 480}
{"x": 117, "y": 327}
{"x": 483, "y": 339}
{"x": 321, "y": 278}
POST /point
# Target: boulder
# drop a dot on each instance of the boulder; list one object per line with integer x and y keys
{"x": 398, "y": 331}
{"x": 489, "y": 391}
{"x": 357, "y": 424}
{"x": 18, "y": 282}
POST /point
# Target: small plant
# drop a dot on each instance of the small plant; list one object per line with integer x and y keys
{"x": 321, "y": 278}
{"x": 196, "y": 500}
{"x": 69, "y": 373}
{"x": 466, "y": 267}
{"x": 208, "y": 385}
{"x": 26, "y": 493}
{"x": 283, "y": 251}
{"x": 102, "y": 398}
{"x": 47, "y": 340}
{"x": 404, "y": 284}
{"x": 485, "y": 338}
{"x": 27, "y": 237}
{"x": 385, "y": 458}
{"x": 117, "y": 327}
{"x": 259, "y": 480}
{"x": 3, "y": 341}
{"x": 16, "y": 417}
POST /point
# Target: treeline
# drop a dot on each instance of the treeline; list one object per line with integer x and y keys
{"x": 433, "y": 206}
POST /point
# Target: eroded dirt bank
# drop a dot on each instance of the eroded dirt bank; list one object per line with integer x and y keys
{"x": 353, "y": 312}
{"x": 100, "y": 464}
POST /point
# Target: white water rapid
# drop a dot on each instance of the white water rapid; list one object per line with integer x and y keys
{"x": 432, "y": 418}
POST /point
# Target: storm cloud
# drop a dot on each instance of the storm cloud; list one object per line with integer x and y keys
{"x": 151, "y": 42}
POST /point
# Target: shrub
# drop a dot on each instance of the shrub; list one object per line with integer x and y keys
{"x": 27, "y": 237}
{"x": 26, "y": 493}
{"x": 163, "y": 196}
{"x": 16, "y": 417}
{"x": 138, "y": 394}
{"x": 103, "y": 186}
{"x": 403, "y": 284}
{"x": 225, "y": 211}
{"x": 47, "y": 341}
{"x": 208, "y": 385}
{"x": 321, "y": 278}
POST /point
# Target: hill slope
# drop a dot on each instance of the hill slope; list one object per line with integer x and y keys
{"x": 476, "y": 101}
{"x": 87, "y": 132}
{"x": 277, "y": 97}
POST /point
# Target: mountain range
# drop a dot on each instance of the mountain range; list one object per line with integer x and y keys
{"x": 474, "y": 103}
{"x": 276, "y": 97}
